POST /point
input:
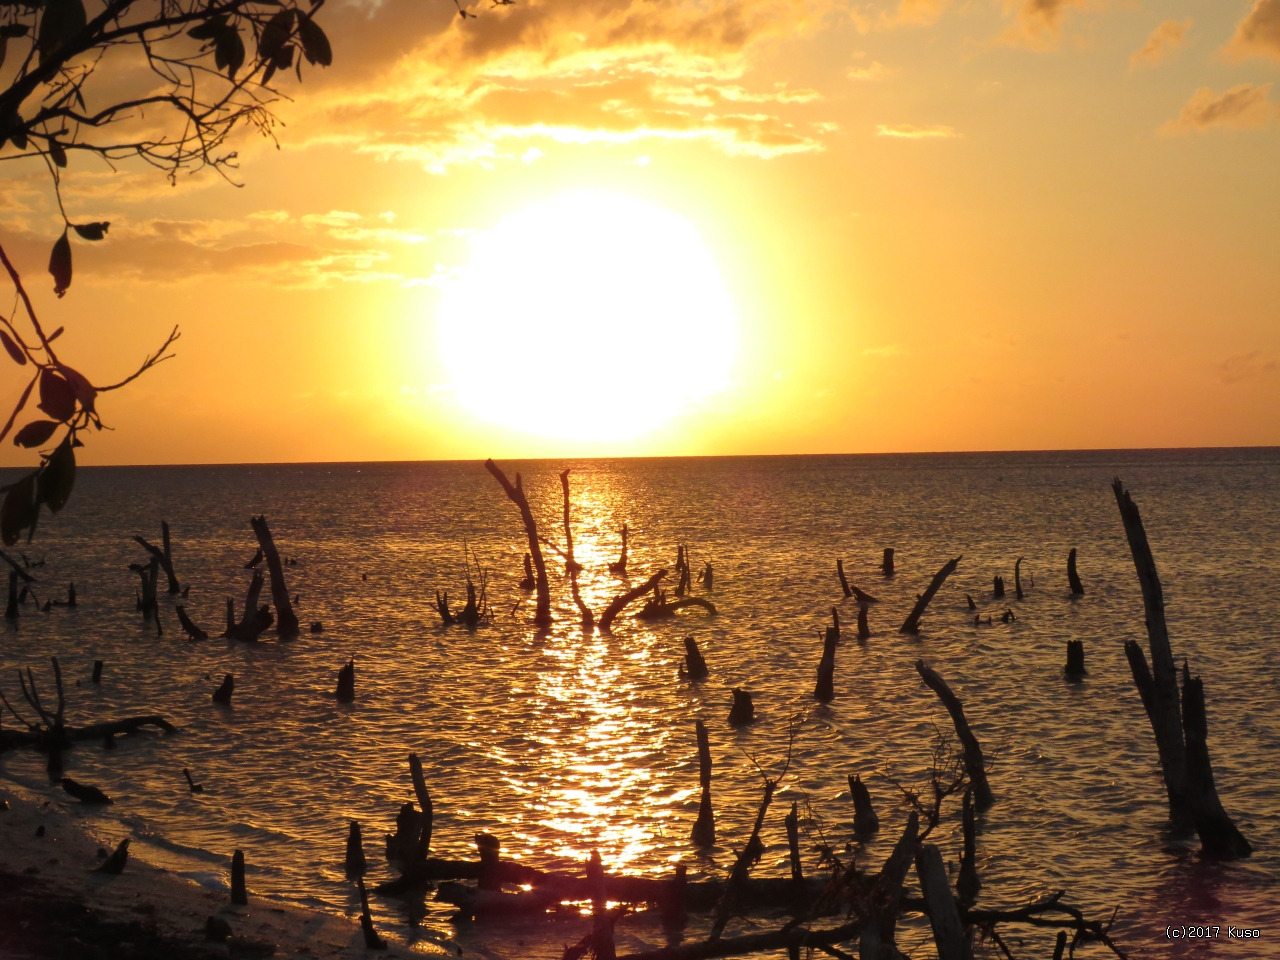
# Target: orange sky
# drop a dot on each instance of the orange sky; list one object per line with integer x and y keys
{"x": 979, "y": 224}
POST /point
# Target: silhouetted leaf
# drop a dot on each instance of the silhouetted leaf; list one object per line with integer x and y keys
{"x": 17, "y": 409}
{"x": 60, "y": 264}
{"x": 57, "y": 399}
{"x": 14, "y": 350}
{"x": 57, "y": 152}
{"x": 20, "y": 510}
{"x": 61, "y": 23}
{"x": 314, "y": 43}
{"x": 14, "y": 30}
{"x": 85, "y": 392}
{"x": 228, "y": 51}
{"x": 275, "y": 34}
{"x": 34, "y": 433}
{"x": 58, "y": 476}
{"x": 18, "y": 134}
{"x": 92, "y": 231}
{"x": 208, "y": 29}
{"x": 55, "y": 335}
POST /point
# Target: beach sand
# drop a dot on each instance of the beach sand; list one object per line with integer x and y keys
{"x": 54, "y": 906}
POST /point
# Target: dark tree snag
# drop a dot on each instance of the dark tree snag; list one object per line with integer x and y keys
{"x": 864, "y": 631}
{"x": 704, "y": 828}
{"x": 442, "y": 606}
{"x": 743, "y": 710}
{"x": 886, "y": 565}
{"x": 346, "y": 691}
{"x": 86, "y": 793}
{"x": 43, "y": 739}
{"x": 659, "y": 607}
{"x": 528, "y": 582}
{"x": 1219, "y": 837}
{"x": 114, "y": 864}
{"x": 192, "y": 786}
{"x": 97, "y": 671}
{"x": 1073, "y": 578}
{"x": 997, "y": 587}
{"x": 748, "y": 856}
{"x": 371, "y": 939}
{"x": 968, "y": 598}
{"x": 255, "y": 620}
{"x": 1017, "y": 577}
{"x": 542, "y": 615}
{"x": 1075, "y": 670}
{"x": 865, "y": 821}
{"x": 912, "y": 623}
{"x": 239, "y": 896}
{"x": 967, "y": 882}
{"x": 148, "y": 575}
{"x": 835, "y": 624}
{"x": 886, "y": 895}
{"x": 844, "y": 584}
{"x": 355, "y": 863}
{"x": 707, "y": 578}
{"x": 973, "y": 761}
{"x": 620, "y": 602}
{"x": 948, "y": 934}
{"x": 695, "y": 668}
{"x": 672, "y": 906}
{"x": 424, "y": 804}
{"x": 490, "y": 851}
{"x": 602, "y": 919}
{"x": 1191, "y": 798}
{"x": 163, "y": 556}
{"x": 792, "y": 821}
{"x": 824, "y": 689}
{"x": 619, "y": 566}
{"x": 572, "y": 566}
{"x": 286, "y": 619}
{"x": 223, "y": 693}
{"x": 192, "y": 631}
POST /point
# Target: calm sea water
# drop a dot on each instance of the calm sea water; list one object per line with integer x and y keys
{"x": 563, "y": 743}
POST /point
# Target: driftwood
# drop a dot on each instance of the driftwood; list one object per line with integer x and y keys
{"x": 1179, "y": 723}
{"x": 973, "y": 761}
{"x": 163, "y": 555}
{"x": 1073, "y": 578}
{"x": 620, "y": 602}
{"x": 912, "y": 623}
{"x": 515, "y": 493}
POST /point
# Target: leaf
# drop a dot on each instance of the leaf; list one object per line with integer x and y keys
{"x": 14, "y": 30}
{"x": 228, "y": 51}
{"x": 34, "y": 433}
{"x": 57, "y": 399}
{"x": 58, "y": 153}
{"x": 275, "y": 34}
{"x": 92, "y": 231}
{"x": 55, "y": 335}
{"x": 208, "y": 29}
{"x": 315, "y": 45}
{"x": 60, "y": 264}
{"x": 58, "y": 477}
{"x": 20, "y": 510}
{"x": 18, "y": 133}
{"x": 85, "y": 392}
{"x": 14, "y": 350}
{"x": 62, "y": 22}
{"x": 17, "y": 409}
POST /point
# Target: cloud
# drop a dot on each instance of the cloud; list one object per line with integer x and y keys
{"x": 1259, "y": 32}
{"x": 908, "y": 131}
{"x": 919, "y": 13}
{"x": 1243, "y": 107}
{"x": 1164, "y": 41}
{"x": 1247, "y": 367}
{"x": 1038, "y": 23}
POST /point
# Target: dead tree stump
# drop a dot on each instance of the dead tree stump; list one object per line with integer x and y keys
{"x": 355, "y": 862}
{"x": 695, "y": 667}
{"x": 223, "y": 693}
{"x": 864, "y": 631}
{"x": 97, "y": 671}
{"x": 743, "y": 710}
{"x": 239, "y": 896}
{"x": 1073, "y": 578}
{"x": 886, "y": 565}
{"x": 997, "y": 587}
{"x": 163, "y": 556}
{"x": 11, "y": 609}
{"x": 844, "y": 584}
{"x": 865, "y": 821}
{"x": 704, "y": 828}
{"x": 1017, "y": 577}
{"x": 824, "y": 689}
{"x": 346, "y": 691}
{"x": 528, "y": 582}
{"x": 1075, "y": 660}
{"x": 286, "y": 619}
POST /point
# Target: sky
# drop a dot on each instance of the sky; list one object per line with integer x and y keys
{"x": 654, "y": 227}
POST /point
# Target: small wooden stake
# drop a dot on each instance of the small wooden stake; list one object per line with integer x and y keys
{"x": 239, "y": 896}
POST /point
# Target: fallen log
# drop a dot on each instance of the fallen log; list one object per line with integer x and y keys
{"x": 912, "y": 623}
{"x": 973, "y": 761}
{"x": 515, "y": 493}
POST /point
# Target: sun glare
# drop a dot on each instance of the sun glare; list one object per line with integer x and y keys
{"x": 589, "y": 316}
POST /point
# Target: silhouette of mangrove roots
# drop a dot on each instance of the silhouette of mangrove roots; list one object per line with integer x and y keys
{"x": 1179, "y": 722}
{"x": 912, "y": 623}
{"x": 515, "y": 493}
{"x": 476, "y": 610}
{"x": 49, "y": 731}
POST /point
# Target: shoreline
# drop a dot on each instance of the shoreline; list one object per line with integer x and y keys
{"x": 56, "y": 906}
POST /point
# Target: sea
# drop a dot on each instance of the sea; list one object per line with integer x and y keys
{"x": 564, "y": 742}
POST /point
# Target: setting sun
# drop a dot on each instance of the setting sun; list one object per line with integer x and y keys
{"x": 587, "y": 316}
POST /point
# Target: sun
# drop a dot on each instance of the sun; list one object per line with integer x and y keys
{"x": 589, "y": 316}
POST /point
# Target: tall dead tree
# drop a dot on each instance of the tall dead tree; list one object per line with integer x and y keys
{"x": 1180, "y": 725}
{"x": 515, "y": 493}
{"x": 912, "y": 623}
{"x": 286, "y": 619}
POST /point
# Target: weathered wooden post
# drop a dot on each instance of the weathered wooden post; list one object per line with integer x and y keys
{"x": 704, "y": 828}
{"x": 886, "y": 565}
{"x": 1075, "y": 660}
{"x": 355, "y": 862}
{"x": 239, "y": 896}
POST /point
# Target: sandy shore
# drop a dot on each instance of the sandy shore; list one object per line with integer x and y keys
{"x": 53, "y": 905}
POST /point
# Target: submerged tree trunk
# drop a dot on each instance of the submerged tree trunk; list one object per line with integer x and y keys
{"x": 912, "y": 623}
{"x": 286, "y": 619}
{"x": 973, "y": 760}
{"x": 515, "y": 493}
{"x": 1073, "y": 578}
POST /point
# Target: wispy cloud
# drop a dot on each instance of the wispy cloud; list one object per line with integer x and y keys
{"x": 1038, "y": 23}
{"x": 920, "y": 13}
{"x": 1248, "y": 367}
{"x": 1165, "y": 40}
{"x": 1258, "y": 34}
{"x": 908, "y": 131}
{"x": 1243, "y": 107}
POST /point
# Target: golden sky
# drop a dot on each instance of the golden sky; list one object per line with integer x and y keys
{"x": 655, "y": 227}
